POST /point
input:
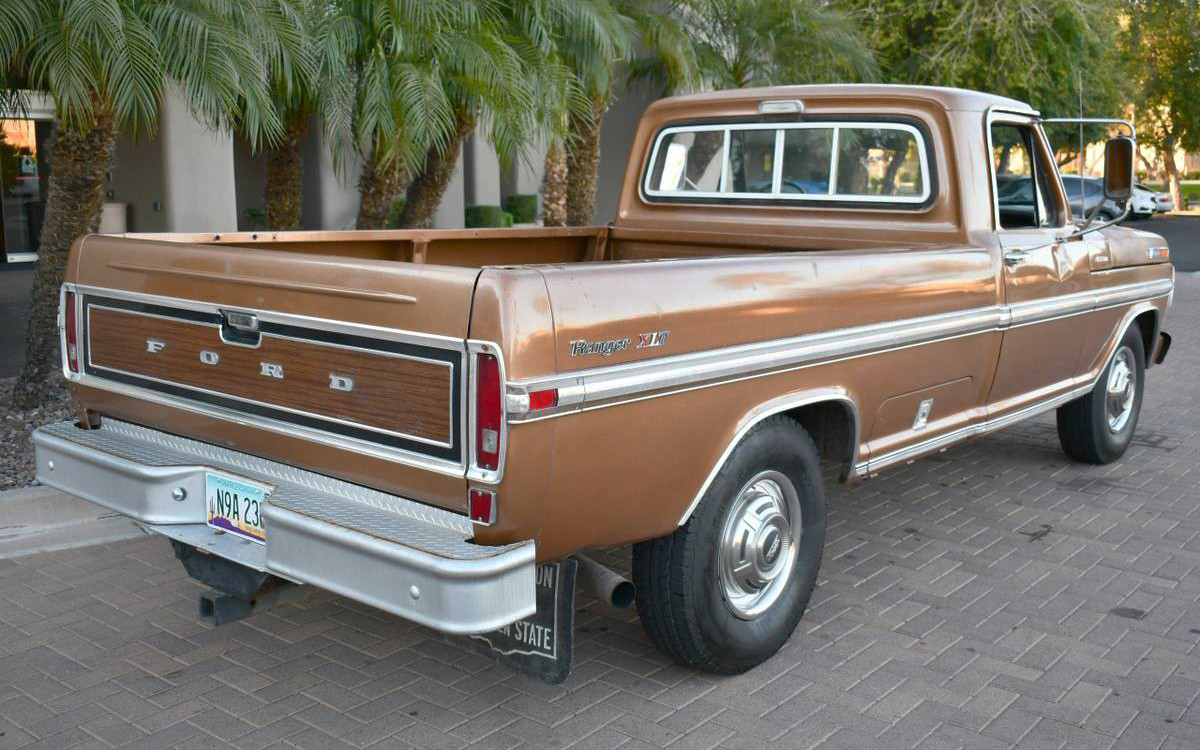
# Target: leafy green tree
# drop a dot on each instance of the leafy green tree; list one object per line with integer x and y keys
{"x": 1035, "y": 51}
{"x": 108, "y": 64}
{"x": 1162, "y": 41}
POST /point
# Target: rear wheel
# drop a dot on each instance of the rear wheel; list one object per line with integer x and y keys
{"x": 725, "y": 590}
{"x": 1098, "y": 427}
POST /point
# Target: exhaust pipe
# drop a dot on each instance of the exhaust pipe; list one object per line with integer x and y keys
{"x": 604, "y": 583}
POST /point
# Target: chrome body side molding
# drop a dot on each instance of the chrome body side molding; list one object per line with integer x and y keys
{"x": 609, "y": 385}
{"x": 1082, "y": 385}
{"x": 911, "y": 452}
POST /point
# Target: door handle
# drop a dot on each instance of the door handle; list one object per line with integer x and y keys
{"x": 1014, "y": 258}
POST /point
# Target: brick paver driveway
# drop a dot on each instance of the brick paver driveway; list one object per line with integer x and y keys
{"x": 992, "y": 596}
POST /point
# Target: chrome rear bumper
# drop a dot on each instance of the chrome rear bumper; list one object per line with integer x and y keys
{"x": 403, "y": 557}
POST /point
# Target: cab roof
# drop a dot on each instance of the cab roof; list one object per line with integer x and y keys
{"x": 951, "y": 99}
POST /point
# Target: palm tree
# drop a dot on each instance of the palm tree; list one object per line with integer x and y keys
{"x": 507, "y": 75}
{"x": 643, "y": 24}
{"x": 303, "y": 89}
{"x": 592, "y": 45}
{"x": 710, "y": 44}
{"x": 741, "y": 43}
{"x": 485, "y": 79}
{"x": 388, "y": 105}
{"x": 107, "y": 64}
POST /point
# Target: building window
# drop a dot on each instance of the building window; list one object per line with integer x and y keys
{"x": 23, "y": 173}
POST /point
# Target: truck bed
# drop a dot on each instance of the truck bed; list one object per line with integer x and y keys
{"x": 470, "y": 248}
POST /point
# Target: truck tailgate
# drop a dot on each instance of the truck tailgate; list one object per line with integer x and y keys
{"x": 362, "y": 357}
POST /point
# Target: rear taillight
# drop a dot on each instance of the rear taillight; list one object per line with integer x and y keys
{"x": 488, "y": 416}
{"x": 481, "y": 506}
{"x": 72, "y": 332}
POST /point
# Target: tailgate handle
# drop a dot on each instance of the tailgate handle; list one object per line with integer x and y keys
{"x": 240, "y": 328}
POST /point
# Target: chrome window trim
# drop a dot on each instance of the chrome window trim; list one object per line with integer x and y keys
{"x": 777, "y": 174}
{"x": 87, "y": 379}
{"x": 777, "y": 164}
{"x": 609, "y": 385}
{"x": 836, "y": 145}
{"x": 996, "y": 114}
{"x": 723, "y": 186}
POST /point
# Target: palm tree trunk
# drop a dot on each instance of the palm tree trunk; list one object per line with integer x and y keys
{"x": 284, "y": 191}
{"x": 426, "y": 191}
{"x": 554, "y": 188}
{"x": 79, "y": 161}
{"x": 583, "y": 165}
{"x": 381, "y": 183}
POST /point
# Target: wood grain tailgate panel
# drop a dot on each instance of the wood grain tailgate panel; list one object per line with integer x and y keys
{"x": 391, "y": 392}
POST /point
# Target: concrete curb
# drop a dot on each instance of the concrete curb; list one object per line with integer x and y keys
{"x": 41, "y": 519}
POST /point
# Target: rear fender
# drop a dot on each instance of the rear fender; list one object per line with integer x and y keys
{"x": 786, "y": 403}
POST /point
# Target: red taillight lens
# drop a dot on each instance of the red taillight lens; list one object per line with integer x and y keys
{"x": 481, "y": 506}
{"x": 543, "y": 399}
{"x": 72, "y": 333}
{"x": 487, "y": 412}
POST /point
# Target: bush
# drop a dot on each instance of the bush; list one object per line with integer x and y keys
{"x": 254, "y": 218}
{"x": 522, "y": 207}
{"x": 476, "y": 217}
{"x": 396, "y": 214}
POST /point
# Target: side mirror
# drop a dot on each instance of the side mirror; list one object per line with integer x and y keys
{"x": 1118, "y": 168}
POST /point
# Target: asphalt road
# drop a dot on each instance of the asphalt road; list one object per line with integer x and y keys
{"x": 1181, "y": 232}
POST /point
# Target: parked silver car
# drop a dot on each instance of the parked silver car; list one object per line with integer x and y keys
{"x": 1085, "y": 193}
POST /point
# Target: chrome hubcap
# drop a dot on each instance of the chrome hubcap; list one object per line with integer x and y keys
{"x": 758, "y": 544}
{"x": 1122, "y": 386}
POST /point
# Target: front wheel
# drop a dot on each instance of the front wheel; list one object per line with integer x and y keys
{"x": 1098, "y": 427}
{"x": 725, "y": 590}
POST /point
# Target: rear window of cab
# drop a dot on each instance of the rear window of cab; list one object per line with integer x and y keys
{"x": 852, "y": 162}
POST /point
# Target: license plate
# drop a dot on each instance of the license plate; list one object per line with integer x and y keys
{"x": 236, "y": 506}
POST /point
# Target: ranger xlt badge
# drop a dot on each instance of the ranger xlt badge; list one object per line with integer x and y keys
{"x": 583, "y": 347}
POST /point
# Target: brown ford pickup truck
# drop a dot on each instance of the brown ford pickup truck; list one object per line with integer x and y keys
{"x": 801, "y": 282}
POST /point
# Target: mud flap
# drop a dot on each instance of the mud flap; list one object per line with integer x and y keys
{"x": 540, "y": 645}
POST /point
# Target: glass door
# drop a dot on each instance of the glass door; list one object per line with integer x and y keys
{"x": 23, "y": 173}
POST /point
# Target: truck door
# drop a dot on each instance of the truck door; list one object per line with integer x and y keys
{"x": 1040, "y": 348}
